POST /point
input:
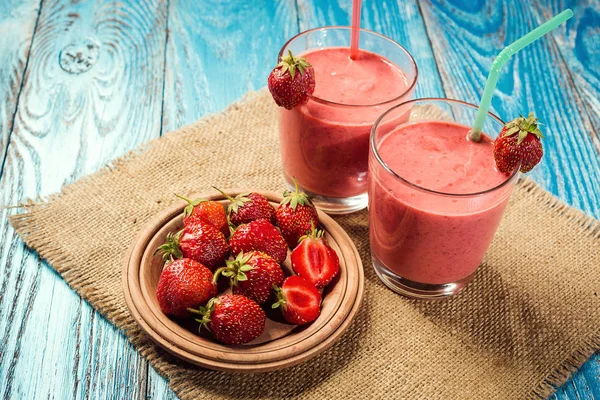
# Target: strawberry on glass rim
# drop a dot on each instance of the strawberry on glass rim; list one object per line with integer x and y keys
{"x": 291, "y": 81}
{"x": 519, "y": 142}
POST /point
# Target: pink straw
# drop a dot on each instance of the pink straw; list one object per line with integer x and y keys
{"x": 355, "y": 29}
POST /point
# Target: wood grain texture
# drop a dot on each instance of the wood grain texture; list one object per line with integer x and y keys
{"x": 578, "y": 43}
{"x": 217, "y": 51}
{"x": 93, "y": 90}
{"x": 17, "y": 24}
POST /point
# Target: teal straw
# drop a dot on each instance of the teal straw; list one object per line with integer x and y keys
{"x": 501, "y": 59}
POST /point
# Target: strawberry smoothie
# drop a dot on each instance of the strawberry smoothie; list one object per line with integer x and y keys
{"x": 433, "y": 225}
{"x": 324, "y": 142}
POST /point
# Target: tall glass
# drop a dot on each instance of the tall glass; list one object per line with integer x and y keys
{"x": 427, "y": 243}
{"x": 325, "y": 144}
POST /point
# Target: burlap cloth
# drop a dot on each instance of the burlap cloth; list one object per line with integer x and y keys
{"x": 530, "y": 317}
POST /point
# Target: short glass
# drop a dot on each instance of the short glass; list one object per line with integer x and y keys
{"x": 325, "y": 145}
{"x": 424, "y": 243}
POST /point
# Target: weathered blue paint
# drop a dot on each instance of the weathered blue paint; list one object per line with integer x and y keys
{"x": 154, "y": 66}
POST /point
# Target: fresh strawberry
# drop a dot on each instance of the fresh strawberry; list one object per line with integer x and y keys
{"x": 212, "y": 212}
{"x": 252, "y": 274}
{"x": 314, "y": 260}
{"x": 291, "y": 81}
{"x": 300, "y": 301}
{"x": 259, "y": 235}
{"x": 296, "y": 216}
{"x": 184, "y": 284}
{"x": 511, "y": 149}
{"x": 232, "y": 318}
{"x": 200, "y": 241}
{"x": 248, "y": 207}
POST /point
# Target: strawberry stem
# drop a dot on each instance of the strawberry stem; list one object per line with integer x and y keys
{"x": 204, "y": 312}
{"x": 228, "y": 197}
{"x": 191, "y": 204}
{"x": 281, "y": 299}
{"x": 298, "y": 197}
{"x": 171, "y": 248}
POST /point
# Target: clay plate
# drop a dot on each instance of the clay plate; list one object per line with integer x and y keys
{"x": 281, "y": 345}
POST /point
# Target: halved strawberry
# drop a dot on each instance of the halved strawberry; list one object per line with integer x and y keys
{"x": 300, "y": 301}
{"x": 315, "y": 260}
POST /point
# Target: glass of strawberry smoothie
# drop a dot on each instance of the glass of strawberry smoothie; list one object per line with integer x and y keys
{"x": 325, "y": 141}
{"x": 435, "y": 197}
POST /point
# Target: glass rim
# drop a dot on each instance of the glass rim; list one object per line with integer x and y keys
{"x": 349, "y": 28}
{"x": 373, "y": 149}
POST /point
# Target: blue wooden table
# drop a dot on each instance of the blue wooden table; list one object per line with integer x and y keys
{"x": 84, "y": 82}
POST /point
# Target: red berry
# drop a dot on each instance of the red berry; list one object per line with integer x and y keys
{"x": 291, "y": 81}
{"x": 300, "y": 301}
{"x": 248, "y": 207}
{"x": 296, "y": 216}
{"x": 259, "y": 235}
{"x": 525, "y": 148}
{"x": 314, "y": 260}
{"x": 252, "y": 274}
{"x": 212, "y": 212}
{"x": 184, "y": 284}
{"x": 232, "y": 318}
{"x": 200, "y": 241}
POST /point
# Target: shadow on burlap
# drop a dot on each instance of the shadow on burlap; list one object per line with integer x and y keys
{"x": 528, "y": 319}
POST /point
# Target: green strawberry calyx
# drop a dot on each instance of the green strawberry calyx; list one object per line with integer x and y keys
{"x": 291, "y": 63}
{"x": 235, "y": 202}
{"x": 235, "y": 270}
{"x": 204, "y": 313}
{"x": 315, "y": 233}
{"x": 295, "y": 198}
{"x": 280, "y": 295}
{"x": 170, "y": 249}
{"x": 187, "y": 211}
{"x": 523, "y": 126}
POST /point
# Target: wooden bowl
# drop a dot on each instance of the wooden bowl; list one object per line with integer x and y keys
{"x": 281, "y": 345}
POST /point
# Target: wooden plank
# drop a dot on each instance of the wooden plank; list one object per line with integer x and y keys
{"x": 398, "y": 20}
{"x": 217, "y": 51}
{"x": 466, "y": 40}
{"x": 578, "y": 44}
{"x": 93, "y": 90}
{"x": 17, "y": 23}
